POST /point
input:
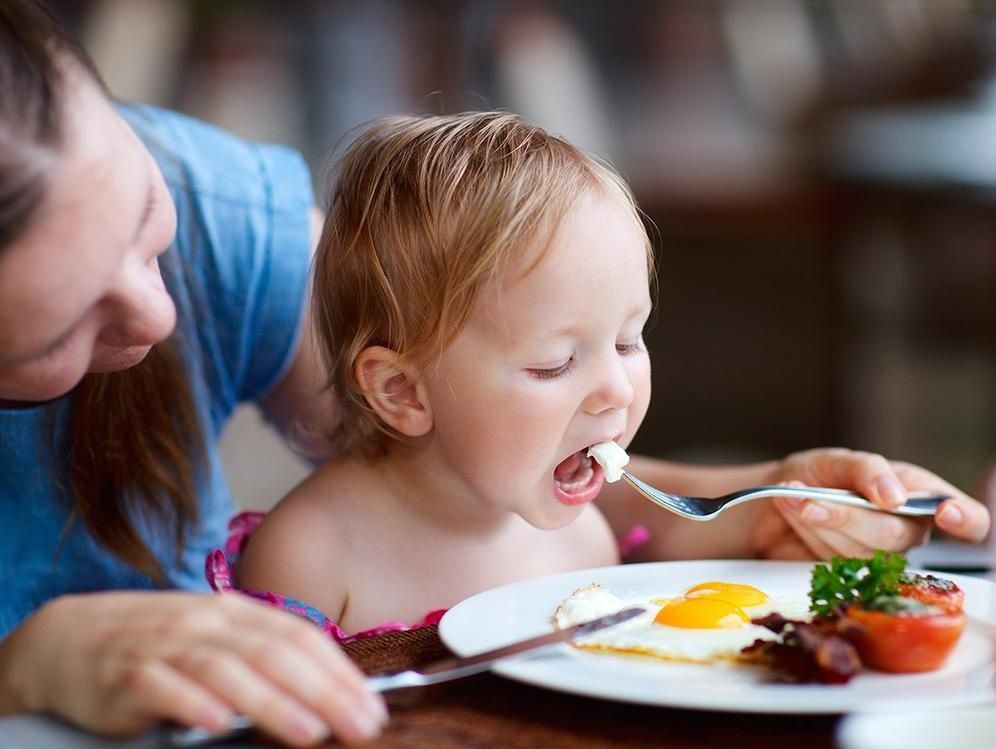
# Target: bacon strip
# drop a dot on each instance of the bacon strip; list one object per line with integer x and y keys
{"x": 819, "y": 651}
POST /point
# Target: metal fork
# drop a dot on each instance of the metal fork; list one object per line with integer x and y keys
{"x": 918, "y": 504}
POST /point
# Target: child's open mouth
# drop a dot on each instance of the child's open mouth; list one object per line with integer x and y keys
{"x": 577, "y": 479}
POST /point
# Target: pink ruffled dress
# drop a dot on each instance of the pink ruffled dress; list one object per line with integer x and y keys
{"x": 221, "y": 562}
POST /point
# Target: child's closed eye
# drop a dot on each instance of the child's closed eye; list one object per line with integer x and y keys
{"x": 551, "y": 373}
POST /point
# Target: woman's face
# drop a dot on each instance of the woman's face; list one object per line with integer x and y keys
{"x": 80, "y": 289}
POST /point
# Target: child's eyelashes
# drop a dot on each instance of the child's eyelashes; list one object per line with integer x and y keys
{"x": 551, "y": 373}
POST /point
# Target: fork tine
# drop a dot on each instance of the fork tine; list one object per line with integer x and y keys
{"x": 686, "y": 507}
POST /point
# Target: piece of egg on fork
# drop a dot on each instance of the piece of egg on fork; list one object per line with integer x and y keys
{"x": 611, "y": 457}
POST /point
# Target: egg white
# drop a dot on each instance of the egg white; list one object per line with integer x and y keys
{"x": 611, "y": 457}
{"x": 643, "y": 636}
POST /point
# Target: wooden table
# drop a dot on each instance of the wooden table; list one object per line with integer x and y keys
{"x": 489, "y": 711}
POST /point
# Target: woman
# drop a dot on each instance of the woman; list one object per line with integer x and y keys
{"x": 117, "y": 484}
{"x": 152, "y": 275}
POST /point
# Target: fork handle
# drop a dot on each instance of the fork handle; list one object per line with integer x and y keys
{"x": 918, "y": 504}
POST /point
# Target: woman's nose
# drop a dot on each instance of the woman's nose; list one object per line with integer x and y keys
{"x": 140, "y": 309}
{"x": 613, "y": 390}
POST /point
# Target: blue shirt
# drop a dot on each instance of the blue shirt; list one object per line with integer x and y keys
{"x": 239, "y": 276}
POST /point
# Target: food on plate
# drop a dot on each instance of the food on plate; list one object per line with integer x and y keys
{"x": 706, "y": 623}
{"x": 611, "y": 457}
{"x": 905, "y": 640}
{"x": 819, "y": 650}
{"x": 860, "y": 613}
{"x": 894, "y": 621}
{"x": 854, "y": 581}
{"x": 934, "y": 591}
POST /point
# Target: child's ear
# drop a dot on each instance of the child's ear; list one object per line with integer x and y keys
{"x": 393, "y": 390}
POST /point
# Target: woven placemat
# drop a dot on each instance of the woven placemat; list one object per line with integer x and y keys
{"x": 396, "y": 651}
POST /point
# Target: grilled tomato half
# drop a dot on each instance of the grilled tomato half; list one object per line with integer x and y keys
{"x": 904, "y": 635}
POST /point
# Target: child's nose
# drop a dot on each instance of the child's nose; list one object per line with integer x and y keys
{"x": 613, "y": 391}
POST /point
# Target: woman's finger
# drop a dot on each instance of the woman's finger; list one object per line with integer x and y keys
{"x": 790, "y": 509}
{"x": 851, "y": 533}
{"x": 964, "y": 519}
{"x": 342, "y": 686}
{"x": 297, "y": 685}
{"x": 961, "y": 516}
{"x": 846, "y": 527}
{"x": 232, "y": 679}
{"x": 844, "y": 545}
{"x": 917, "y": 478}
{"x": 870, "y": 474}
{"x": 284, "y": 663}
{"x": 307, "y": 638}
{"x": 116, "y": 662}
{"x": 295, "y": 659}
{"x": 155, "y": 690}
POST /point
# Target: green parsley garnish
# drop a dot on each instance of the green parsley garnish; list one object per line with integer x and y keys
{"x": 854, "y": 581}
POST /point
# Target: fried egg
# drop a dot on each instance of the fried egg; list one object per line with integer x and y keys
{"x": 705, "y": 623}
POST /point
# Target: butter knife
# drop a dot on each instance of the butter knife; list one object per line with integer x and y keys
{"x": 445, "y": 669}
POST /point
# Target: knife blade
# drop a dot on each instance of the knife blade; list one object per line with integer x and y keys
{"x": 445, "y": 669}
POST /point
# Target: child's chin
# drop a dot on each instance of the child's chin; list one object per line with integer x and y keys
{"x": 555, "y": 521}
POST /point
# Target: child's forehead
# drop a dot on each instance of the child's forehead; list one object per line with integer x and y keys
{"x": 595, "y": 224}
{"x": 595, "y": 261}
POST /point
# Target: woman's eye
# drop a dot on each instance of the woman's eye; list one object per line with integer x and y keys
{"x": 552, "y": 373}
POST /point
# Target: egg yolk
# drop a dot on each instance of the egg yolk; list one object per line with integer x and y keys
{"x": 701, "y": 613}
{"x": 735, "y": 593}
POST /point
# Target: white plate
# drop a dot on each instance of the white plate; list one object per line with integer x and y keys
{"x": 502, "y": 615}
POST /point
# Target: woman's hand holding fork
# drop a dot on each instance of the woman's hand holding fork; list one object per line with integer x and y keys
{"x": 799, "y": 529}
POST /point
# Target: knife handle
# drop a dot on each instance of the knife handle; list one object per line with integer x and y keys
{"x": 447, "y": 669}
{"x": 397, "y": 680}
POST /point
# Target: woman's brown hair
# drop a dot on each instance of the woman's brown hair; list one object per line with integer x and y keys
{"x": 426, "y": 210}
{"x": 134, "y": 443}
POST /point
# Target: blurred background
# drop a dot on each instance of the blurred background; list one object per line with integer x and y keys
{"x": 820, "y": 176}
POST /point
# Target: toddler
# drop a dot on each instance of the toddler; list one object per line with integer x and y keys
{"x": 480, "y": 292}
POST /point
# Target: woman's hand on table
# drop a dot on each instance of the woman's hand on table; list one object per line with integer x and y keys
{"x": 800, "y": 529}
{"x": 117, "y": 663}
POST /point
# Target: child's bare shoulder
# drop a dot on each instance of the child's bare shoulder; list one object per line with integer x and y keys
{"x": 312, "y": 510}
{"x": 299, "y": 541}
